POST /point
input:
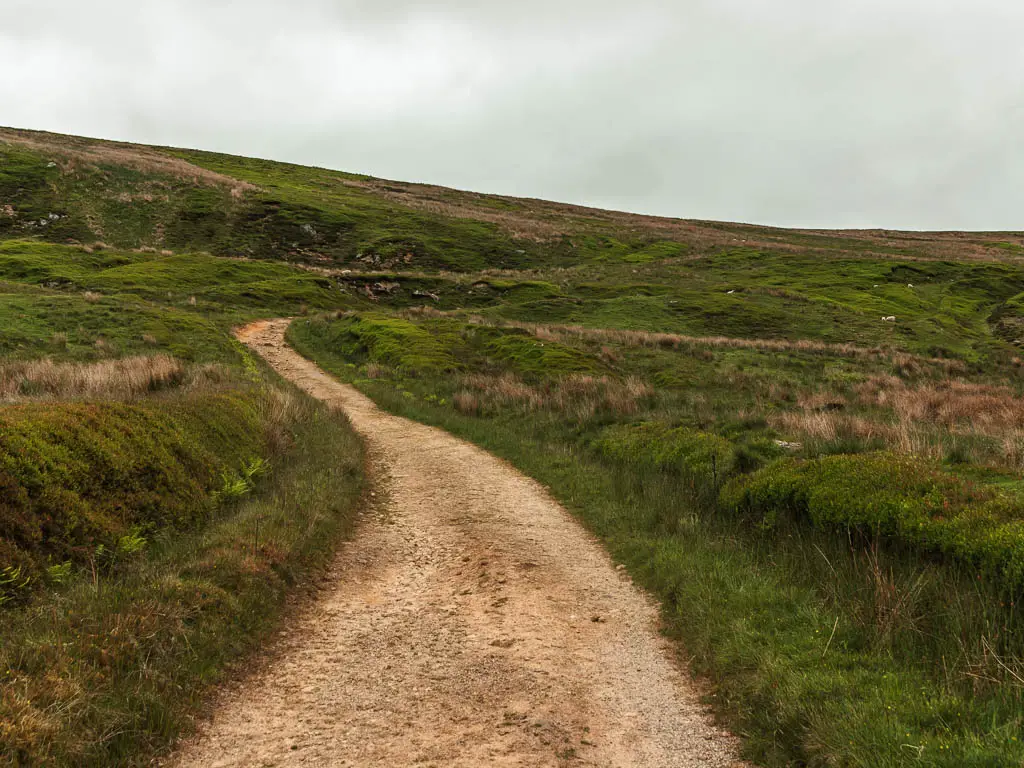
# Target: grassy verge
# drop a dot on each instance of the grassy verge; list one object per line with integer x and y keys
{"x": 825, "y": 650}
{"x": 111, "y": 666}
{"x": 82, "y": 478}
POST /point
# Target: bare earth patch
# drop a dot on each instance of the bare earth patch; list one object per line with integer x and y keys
{"x": 471, "y": 622}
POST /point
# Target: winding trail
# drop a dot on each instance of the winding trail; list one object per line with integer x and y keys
{"x": 471, "y": 622}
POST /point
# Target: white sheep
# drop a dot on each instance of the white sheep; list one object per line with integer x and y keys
{"x": 889, "y": 319}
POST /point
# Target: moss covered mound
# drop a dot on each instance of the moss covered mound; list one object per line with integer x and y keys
{"x": 910, "y": 500}
{"x": 77, "y": 476}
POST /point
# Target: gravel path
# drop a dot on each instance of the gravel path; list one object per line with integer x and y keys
{"x": 471, "y": 622}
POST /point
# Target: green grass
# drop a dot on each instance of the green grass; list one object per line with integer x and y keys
{"x": 111, "y": 670}
{"x": 112, "y": 302}
{"x": 308, "y": 209}
{"x": 522, "y": 353}
{"x": 922, "y": 506}
{"x": 681, "y": 449}
{"x": 135, "y": 196}
{"x": 141, "y": 556}
{"x": 220, "y": 284}
{"x": 852, "y": 592}
{"x": 78, "y": 477}
{"x": 69, "y": 326}
{"x": 393, "y": 342}
{"x": 755, "y": 597}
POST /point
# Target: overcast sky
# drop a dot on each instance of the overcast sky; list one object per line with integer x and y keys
{"x": 832, "y": 113}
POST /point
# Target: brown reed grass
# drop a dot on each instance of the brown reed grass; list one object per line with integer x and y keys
{"x": 578, "y": 395}
{"x": 125, "y": 377}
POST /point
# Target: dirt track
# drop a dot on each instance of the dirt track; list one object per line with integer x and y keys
{"x": 471, "y": 622}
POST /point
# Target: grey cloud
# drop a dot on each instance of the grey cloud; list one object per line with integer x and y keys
{"x": 903, "y": 113}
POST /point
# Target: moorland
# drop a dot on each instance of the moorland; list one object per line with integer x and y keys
{"x": 807, "y": 444}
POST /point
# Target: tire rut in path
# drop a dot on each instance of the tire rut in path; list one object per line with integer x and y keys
{"x": 470, "y": 622}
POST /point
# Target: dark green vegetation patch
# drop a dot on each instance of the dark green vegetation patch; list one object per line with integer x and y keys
{"x": 78, "y": 477}
{"x": 109, "y": 667}
{"x": 915, "y": 502}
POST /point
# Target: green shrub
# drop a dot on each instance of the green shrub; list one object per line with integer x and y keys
{"x": 702, "y": 460}
{"x": 524, "y": 353}
{"x": 904, "y": 499}
{"x": 678, "y": 449}
{"x": 114, "y": 666}
{"x": 75, "y": 477}
{"x": 236, "y": 486}
{"x": 232, "y": 488}
{"x": 13, "y": 584}
{"x": 391, "y": 341}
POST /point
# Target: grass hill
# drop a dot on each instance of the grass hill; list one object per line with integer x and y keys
{"x": 809, "y": 444}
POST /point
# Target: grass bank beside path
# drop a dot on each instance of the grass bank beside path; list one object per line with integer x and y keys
{"x": 115, "y": 659}
{"x": 772, "y": 616}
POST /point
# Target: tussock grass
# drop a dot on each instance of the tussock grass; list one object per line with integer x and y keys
{"x": 829, "y": 427}
{"x": 932, "y": 418}
{"x": 955, "y": 403}
{"x": 121, "y": 378}
{"x": 581, "y": 395}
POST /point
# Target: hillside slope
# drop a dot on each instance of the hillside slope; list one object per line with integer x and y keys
{"x": 952, "y": 294}
{"x": 808, "y": 444}
{"x": 132, "y": 196}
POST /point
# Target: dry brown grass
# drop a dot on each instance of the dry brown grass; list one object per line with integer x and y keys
{"x": 127, "y": 377}
{"x": 906, "y": 437}
{"x": 829, "y": 426}
{"x": 957, "y": 404}
{"x": 577, "y": 395}
{"x": 505, "y": 390}
{"x": 279, "y": 409}
{"x": 377, "y": 371}
{"x": 820, "y": 401}
{"x": 467, "y": 403}
{"x": 922, "y": 420}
